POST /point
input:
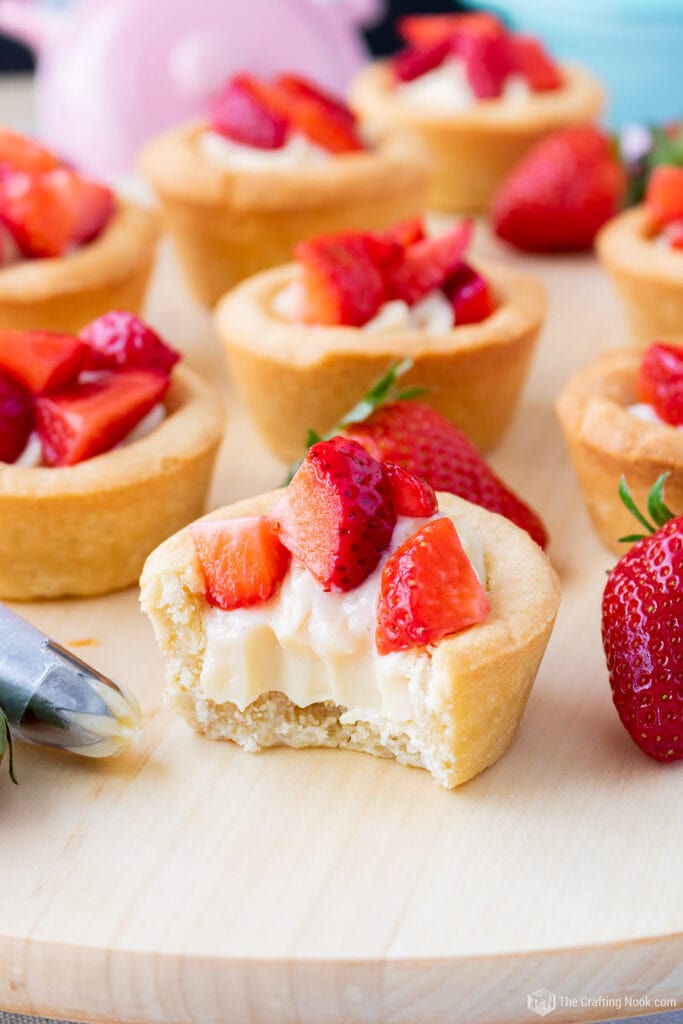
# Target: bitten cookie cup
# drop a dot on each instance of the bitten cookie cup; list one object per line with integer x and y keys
{"x": 230, "y": 223}
{"x": 64, "y": 293}
{"x": 468, "y": 692}
{"x": 87, "y": 529}
{"x": 294, "y": 377}
{"x": 607, "y": 442}
{"x": 648, "y": 275}
{"x": 474, "y": 149}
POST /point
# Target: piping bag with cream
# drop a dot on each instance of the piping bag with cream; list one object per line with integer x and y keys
{"x": 50, "y": 697}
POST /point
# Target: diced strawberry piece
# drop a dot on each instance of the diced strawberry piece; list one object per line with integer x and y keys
{"x": 120, "y": 341}
{"x": 337, "y": 515}
{"x": 24, "y": 154}
{"x": 415, "y": 61}
{"x": 660, "y": 381}
{"x": 532, "y": 61}
{"x": 428, "y": 264}
{"x": 340, "y": 281}
{"x": 242, "y": 560}
{"x": 92, "y": 418}
{"x": 49, "y": 211}
{"x": 471, "y": 295}
{"x": 16, "y": 418}
{"x": 488, "y": 60}
{"x": 427, "y": 29}
{"x": 429, "y": 590}
{"x": 675, "y": 234}
{"x": 664, "y": 196}
{"x": 405, "y": 233}
{"x": 41, "y": 360}
{"x": 412, "y": 495}
{"x": 241, "y": 112}
{"x": 298, "y": 88}
{"x": 92, "y": 203}
{"x": 35, "y": 213}
{"x": 316, "y": 116}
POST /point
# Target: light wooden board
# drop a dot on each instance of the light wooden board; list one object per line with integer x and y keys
{"x": 190, "y": 882}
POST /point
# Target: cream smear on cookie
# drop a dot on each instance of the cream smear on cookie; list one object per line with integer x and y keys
{"x": 317, "y": 646}
{"x": 648, "y": 414}
{"x": 296, "y": 152}
{"x": 433, "y": 314}
{"x": 446, "y": 89}
{"x": 32, "y": 455}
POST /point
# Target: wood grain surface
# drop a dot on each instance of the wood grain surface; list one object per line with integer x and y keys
{"x": 191, "y": 883}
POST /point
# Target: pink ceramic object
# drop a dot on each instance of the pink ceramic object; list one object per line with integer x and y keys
{"x": 113, "y": 73}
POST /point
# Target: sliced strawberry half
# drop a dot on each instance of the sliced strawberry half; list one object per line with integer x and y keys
{"x": 471, "y": 295}
{"x": 340, "y": 281}
{"x": 24, "y": 154}
{"x": 429, "y": 590}
{"x": 411, "y": 63}
{"x": 242, "y": 560}
{"x": 660, "y": 381}
{"x": 675, "y": 234}
{"x": 92, "y": 418}
{"x": 322, "y": 119}
{"x": 298, "y": 88}
{"x": 242, "y": 112}
{"x": 412, "y": 495}
{"x": 532, "y": 61}
{"x": 16, "y": 418}
{"x": 428, "y": 264}
{"x": 664, "y": 196}
{"x": 337, "y": 515}
{"x": 119, "y": 340}
{"x": 433, "y": 28}
{"x": 41, "y": 360}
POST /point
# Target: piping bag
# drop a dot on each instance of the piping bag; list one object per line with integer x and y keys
{"x": 51, "y": 697}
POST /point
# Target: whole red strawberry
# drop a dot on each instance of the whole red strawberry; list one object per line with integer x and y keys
{"x": 642, "y": 625}
{"x": 560, "y": 193}
{"x": 419, "y": 439}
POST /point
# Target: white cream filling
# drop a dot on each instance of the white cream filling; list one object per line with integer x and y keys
{"x": 433, "y": 314}
{"x": 297, "y": 151}
{"x": 32, "y": 455}
{"x": 447, "y": 89}
{"x": 648, "y": 414}
{"x": 317, "y": 646}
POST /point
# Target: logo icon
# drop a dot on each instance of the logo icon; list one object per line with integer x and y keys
{"x": 541, "y": 1002}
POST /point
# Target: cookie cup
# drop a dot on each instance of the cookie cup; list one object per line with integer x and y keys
{"x": 648, "y": 276}
{"x": 607, "y": 442}
{"x": 467, "y": 693}
{"x": 87, "y": 529}
{"x": 295, "y": 377}
{"x": 65, "y": 293}
{"x": 230, "y": 223}
{"x": 474, "y": 149}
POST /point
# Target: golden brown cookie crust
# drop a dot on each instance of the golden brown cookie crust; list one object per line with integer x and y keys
{"x": 647, "y": 275}
{"x": 294, "y": 377}
{"x": 607, "y": 442}
{"x": 474, "y": 149}
{"x": 228, "y": 224}
{"x": 65, "y": 293}
{"x": 87, "y": 529}
{"x": 485, "y": 673}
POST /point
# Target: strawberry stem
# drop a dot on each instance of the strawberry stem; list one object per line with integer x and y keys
{"x": 382, "y": 391}
{"x": 659, "y": 513}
